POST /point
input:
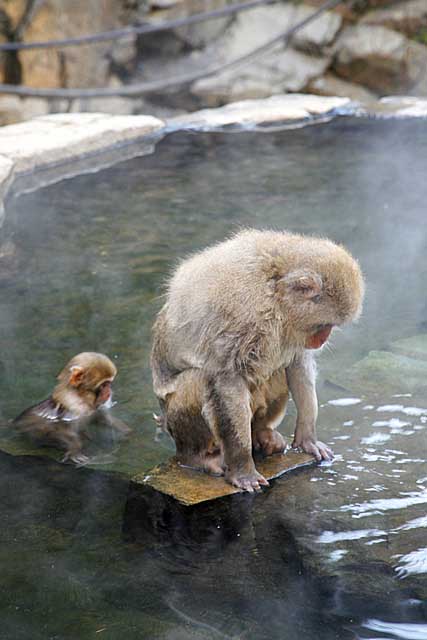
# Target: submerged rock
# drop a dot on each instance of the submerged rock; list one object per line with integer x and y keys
{"x": 382, "y": 372}
{"x": 413, "y": 347}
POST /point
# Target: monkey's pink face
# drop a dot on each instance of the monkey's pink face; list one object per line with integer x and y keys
{"x": 104, "y": 393}
{"x": 319, "y": 337}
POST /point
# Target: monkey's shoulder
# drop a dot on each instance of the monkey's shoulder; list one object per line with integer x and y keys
{"x": 48, "y": 410}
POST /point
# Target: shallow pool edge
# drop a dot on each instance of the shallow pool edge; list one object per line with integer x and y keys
{"x": 58, "y": 146}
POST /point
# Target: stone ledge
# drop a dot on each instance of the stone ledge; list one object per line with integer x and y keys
{"x": 246, "y": 113}
{"x": 6, "y": 173}
{"x": 56, "y": 138}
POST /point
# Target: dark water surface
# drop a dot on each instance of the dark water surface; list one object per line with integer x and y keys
{"x": 339, "y": 551}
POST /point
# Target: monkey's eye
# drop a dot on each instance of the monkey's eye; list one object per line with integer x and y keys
{"x": 316, "y": 299}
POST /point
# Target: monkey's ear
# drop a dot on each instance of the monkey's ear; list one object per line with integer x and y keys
{"x": 303, "y": 281}
{"x": 76, "y": 376}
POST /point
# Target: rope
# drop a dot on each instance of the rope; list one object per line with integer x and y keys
{"x": 160, "y": 85}
{"x": 117, "y": 34}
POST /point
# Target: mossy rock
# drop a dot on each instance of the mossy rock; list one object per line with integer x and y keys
{"x": 383, "y": 372}
{"x": 413, "y": 347}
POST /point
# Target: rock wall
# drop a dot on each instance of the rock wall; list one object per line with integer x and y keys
{"x": 377, "y": 48}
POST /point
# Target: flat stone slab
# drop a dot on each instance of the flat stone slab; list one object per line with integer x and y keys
{"x": 190, "y": 487}
{"x": 383, "y": 372}
{"x": 396, "y": 107}
{"x": 246, "y": 113}
{"x": 413, "y": 347}
{"x": 61, "y": 137}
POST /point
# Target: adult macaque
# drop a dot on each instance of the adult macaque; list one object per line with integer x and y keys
{"x": 83, "y": 394}
{"x": 239, "y": 327}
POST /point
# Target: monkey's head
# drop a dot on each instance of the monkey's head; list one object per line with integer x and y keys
{"x": 90, "y": 375}
{"x": 325, "y": 289}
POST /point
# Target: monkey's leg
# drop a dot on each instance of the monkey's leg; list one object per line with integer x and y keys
{"x": 229, "y": 413}
{"x": 301, "y": 375}
{"x": 197, "y": 445}
{"x": 269, "y": 407}
{"x": 67, "y": 437}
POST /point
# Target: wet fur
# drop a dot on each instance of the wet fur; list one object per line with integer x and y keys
{"x": 60, "y": 420}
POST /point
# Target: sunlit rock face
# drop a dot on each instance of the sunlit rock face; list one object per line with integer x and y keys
{"x": 361, "y": 53}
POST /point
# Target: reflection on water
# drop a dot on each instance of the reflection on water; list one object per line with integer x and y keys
{"x": 396, "y": 630}
{"x": 335, "y": 552}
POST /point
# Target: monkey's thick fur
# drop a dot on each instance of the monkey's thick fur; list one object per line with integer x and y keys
{"x": 83, "y": 393}
{"x": 232, "y": 337}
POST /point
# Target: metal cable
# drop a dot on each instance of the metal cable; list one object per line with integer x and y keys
{"x": 160, "y": 85}
{"x": 117, "y": 34}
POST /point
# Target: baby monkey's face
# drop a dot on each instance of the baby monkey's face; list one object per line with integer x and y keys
{"x": 104, "y": 394}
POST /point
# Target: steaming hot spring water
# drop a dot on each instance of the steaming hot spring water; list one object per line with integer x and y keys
{"x": 335, "y": 551}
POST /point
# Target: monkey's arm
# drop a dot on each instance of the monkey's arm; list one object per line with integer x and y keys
{"x": 228, "y": 413}
{"x": 301, "y": 376}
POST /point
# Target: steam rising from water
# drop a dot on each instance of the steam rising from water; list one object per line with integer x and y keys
{"x": 93, "y": 253}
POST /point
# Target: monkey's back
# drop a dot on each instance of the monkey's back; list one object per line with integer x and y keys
{"x": 222, "y": 304}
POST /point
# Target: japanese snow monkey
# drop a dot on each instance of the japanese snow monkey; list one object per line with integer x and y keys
{"x": 83, "y": 394}
{"x": 238, "y": 331}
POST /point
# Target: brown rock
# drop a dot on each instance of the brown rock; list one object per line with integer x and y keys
{"x": 330, "y": 85}
{"x": 14, "y": 10}
{"x": 408, "y": 17}
{"x": 81, "y": 66}
{"x": 378, "y": 58}
{"x": 14, "y": 109}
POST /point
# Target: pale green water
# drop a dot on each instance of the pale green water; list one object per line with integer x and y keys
{"x": 317, "y": 556}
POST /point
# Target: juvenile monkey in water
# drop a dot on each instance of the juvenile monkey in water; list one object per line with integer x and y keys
{"x": 238, "y": 330}
{"x": 83, "y": 394}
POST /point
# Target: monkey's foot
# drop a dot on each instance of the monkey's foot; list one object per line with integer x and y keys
{"x": 212, "y": 464}
{"x": 316, "y": 448}
{"x": 268, "y": 441}
{"x": 247, "y": 481}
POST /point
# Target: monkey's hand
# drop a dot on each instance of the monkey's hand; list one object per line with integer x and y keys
{"x": 247, "y": 481}
{"x": 315, "y": 447}
{"x": 79, "y": 459}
